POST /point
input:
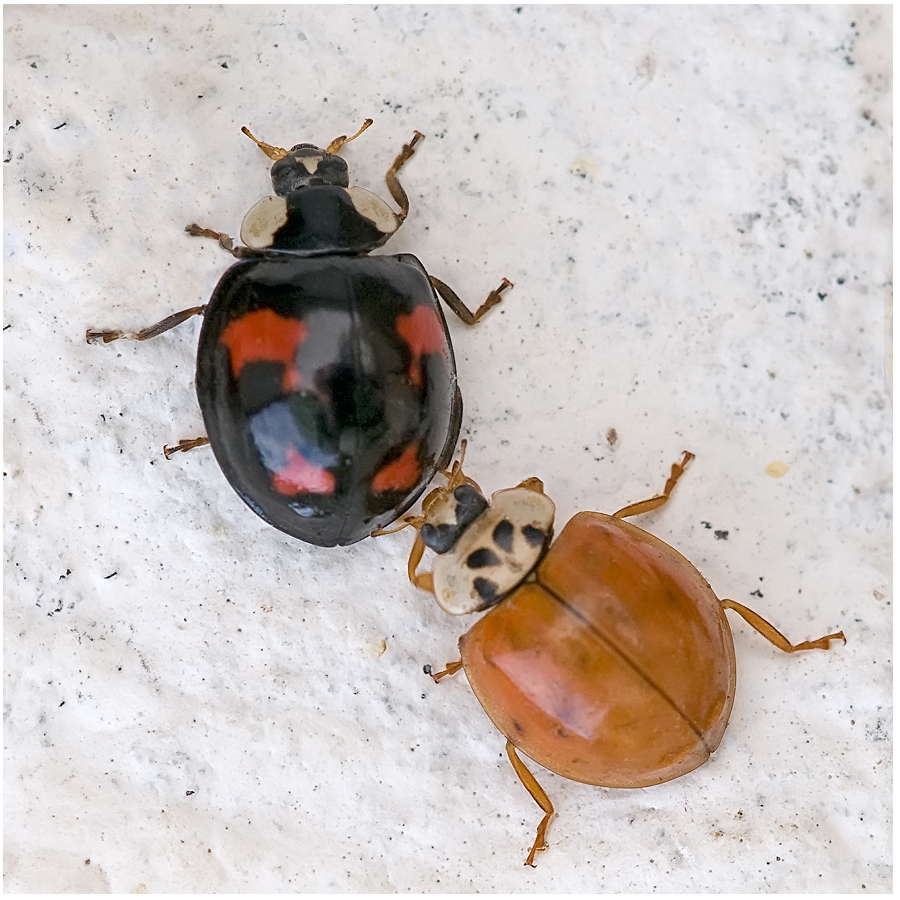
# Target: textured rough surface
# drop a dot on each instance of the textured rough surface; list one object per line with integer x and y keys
{"x": 694, "y": 205}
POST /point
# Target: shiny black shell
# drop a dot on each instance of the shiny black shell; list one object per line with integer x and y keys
{"x": 328, "y": 388}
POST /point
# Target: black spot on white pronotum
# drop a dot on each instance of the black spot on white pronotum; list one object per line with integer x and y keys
{"x": 469, "y": 504}
{"x": 481, "y": 558}
{"x": 486, "y": 589}
{"x": 439, "y": 538}
{"x": 503, "y": 535}
{"x": 534, "y": 536}
{"x": 443, "y": 536}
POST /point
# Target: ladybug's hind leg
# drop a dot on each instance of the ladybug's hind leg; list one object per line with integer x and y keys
{"x": 449, "y": 296}
{"x": 774, "y": 636}
{"x": 635, "y": 509}
{"x": 540, "y": 797}
{"x": 96, "y": 336}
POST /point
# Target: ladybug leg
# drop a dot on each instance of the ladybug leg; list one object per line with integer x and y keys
{"x": 393, "y": 183}
{"x": 635, "y": 509}
{"x": 94, "y": 336}
{"x": 771, "y": 634}
{"x": 184, "y": 445}
{"x": 539, "y": 796}
{"x": 415, "y": 521}
{"x": 451, "y": 669}
{"x": 449, "y": 296}
{"x": 225, "y": 241}
{"x": 423, "y": 580}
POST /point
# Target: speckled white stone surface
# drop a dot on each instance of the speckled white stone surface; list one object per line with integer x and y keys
{"x": 694, "y": 205}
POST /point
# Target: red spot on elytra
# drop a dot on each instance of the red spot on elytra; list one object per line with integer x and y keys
{"x": 264, "y": 336}
{"x": 300, "y": 476}
{"x": 401, "y": 474}
{"x": 423, "y": 332}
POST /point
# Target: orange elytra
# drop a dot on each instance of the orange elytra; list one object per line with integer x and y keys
{"x": 605, "y": 656}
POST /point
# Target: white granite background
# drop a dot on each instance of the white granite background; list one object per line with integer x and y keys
{"x": 694, "y": 205}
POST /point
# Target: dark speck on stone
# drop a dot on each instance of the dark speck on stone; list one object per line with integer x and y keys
{"x": 721, "y": 535}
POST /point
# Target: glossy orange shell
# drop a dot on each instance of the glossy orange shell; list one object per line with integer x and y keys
{"x": 615, "y": 666}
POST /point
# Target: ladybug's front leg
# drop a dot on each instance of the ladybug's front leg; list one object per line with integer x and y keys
{"x": 423, "y": 580}
{"x": 449, "y": 296}
{"x": 96, "y": 336}
{"x": 226, "y": 242}
{"x": 393, "y": 183}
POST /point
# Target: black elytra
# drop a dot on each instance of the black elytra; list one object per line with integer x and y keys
{"x": 325, "y": 376}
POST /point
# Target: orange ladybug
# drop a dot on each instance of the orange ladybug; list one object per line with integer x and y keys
{"x": 605, "y": 655}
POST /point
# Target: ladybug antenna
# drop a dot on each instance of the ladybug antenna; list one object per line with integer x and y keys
{"x": 462, "y": 452}
{"x": 339, "y": 142}
{"x": 456, "y": 476}
{"x": 275, "y": 153}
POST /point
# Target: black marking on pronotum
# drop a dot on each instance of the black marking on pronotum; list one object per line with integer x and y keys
{"x": 486, "y": 589}
{"x": 534, "y": 536}
{"x": 469, "y": 504}
{"x": 439, "y": 538}
{"x": 503, "y": 535}
{"x": 481, "y": 558}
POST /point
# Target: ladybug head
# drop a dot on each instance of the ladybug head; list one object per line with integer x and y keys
{"x": 449, "y": 515}
{"x": 306, "y": 164}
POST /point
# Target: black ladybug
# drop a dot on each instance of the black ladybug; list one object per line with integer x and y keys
{"x": 325, "y": 376}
